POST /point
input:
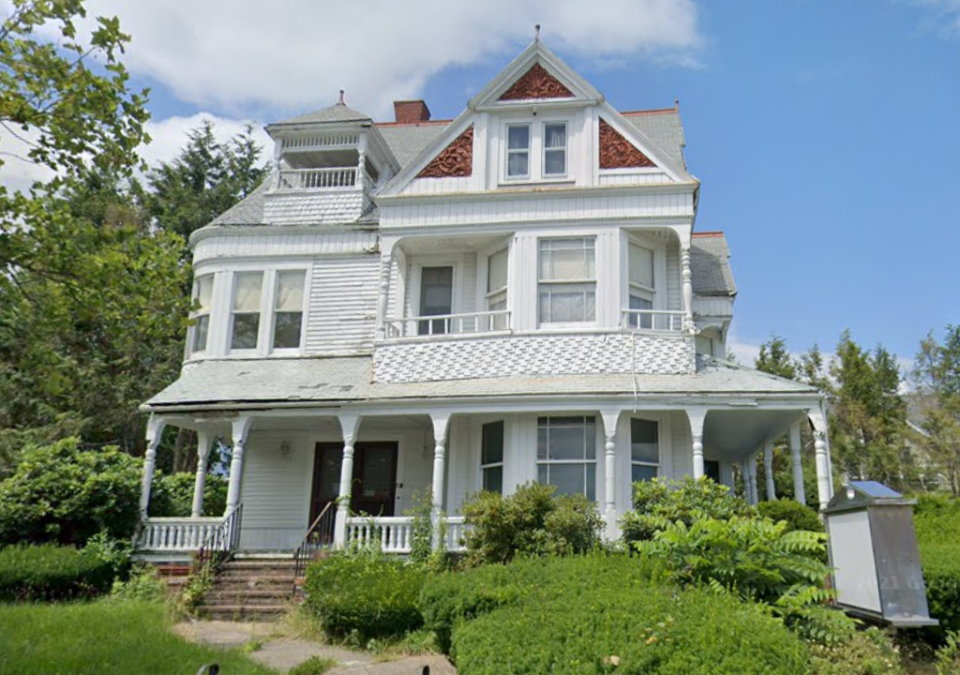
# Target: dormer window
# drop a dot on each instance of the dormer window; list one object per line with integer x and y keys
{"x": 203, "y": 296}
{"x": 555, "y": 149}
{"x": 535, "y": 150}
{"x": 518, "y": 151}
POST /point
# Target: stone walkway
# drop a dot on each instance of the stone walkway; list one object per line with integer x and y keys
{"x": 283, "y": 653}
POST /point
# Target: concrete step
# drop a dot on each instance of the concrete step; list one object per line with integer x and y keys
{"x": 254, "y": 564}
{"x": 247, "y": 597}
{"x": 254, "y": 584}
{"x": 269, "y": 575}
{"x": 243, "y": 612}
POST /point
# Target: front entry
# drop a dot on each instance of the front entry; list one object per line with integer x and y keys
{"x": 374, "y": 477}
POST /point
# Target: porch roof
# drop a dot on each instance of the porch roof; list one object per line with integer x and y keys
{"x": 349, "y": 380}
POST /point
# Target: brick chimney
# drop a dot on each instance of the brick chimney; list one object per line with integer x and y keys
{"x": 411, "y": 112}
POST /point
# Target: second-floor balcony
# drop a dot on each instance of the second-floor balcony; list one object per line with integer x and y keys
{"x": 448, "y": 324}
{"x": 333, "y": 178}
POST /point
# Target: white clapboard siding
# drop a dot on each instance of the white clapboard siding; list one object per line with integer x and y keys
{"x": 268, "y": 242}
{"x": 343, "y": 305}
{"x": 634, "y": 178}
{"x": 468, "y": 298}
{"x": 674, "y": 277}
{"x": 681, "y": 445}
{"x": 433, "y": 186}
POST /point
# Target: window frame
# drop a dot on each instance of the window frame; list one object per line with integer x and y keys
{"x": 484, "y": 467}
{"x": 589, "y": 424}
{"x": 536, "y": 166}
{"x": 658, "y": 465}
{"x": 565, "y": 149}
{"x": 528, "y": 151}
{"x": 195, "y": 316}
{"x": 656, "y": 295}
{"x": 304, "y": 303}
{"x": 268, "y": 290}
{"x": 264, "y": 294}
{"x": 541, "y": 323}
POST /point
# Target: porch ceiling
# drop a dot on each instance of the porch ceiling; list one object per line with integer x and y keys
{"x": 730, "y": 434}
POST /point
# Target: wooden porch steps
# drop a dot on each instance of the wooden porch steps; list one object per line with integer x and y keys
{"x": 251, "y": 589}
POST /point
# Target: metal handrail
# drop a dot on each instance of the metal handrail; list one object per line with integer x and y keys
{"x": 216, "y": 548}
{"x": 322, "y": 527}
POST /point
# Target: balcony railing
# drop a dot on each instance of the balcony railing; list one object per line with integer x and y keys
{"x": 448, "y": 324}
{"x": 394, "y": 534}
{"x": 319, "y": 179}
{"x": 653, "y": 319}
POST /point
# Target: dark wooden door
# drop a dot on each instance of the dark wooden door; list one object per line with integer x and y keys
{"x": 374, "y": 489}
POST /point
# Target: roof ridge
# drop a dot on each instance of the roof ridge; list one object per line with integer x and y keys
{"x": 421, "y": 123}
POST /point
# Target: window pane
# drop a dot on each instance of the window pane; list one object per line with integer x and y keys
{"x": 566, "y": 441}
{"x": 644, "y": 446}
{"x": 555, "y": 135}
{"x": 493, "y": 479}
{"x": 492, "y": 450}
{"x": 567, "y": 302}
{"x": 497, "y": 302}
{"x": 497, "y": 271}
{"x": 286, "y": 330}
{"x": 290, "y": 290}
{"x": 640, "y": 320}
{"x": 570, "y": 479}
{"x": 562, "y": 259}
{"x": 555, "y": 162}
{"x": 436, "y": 291}
{"x": 245, "y": 329}
{"x": 542, "y": 435}
{"x": 247, "y": 292}
{"x": 711, "y": 469}
{"x": 200, "y": 331}
{"x": 640, "y": 472}
{"x": 641, "y": 266}
{"x": 204, "y": 292}
{"x": 592, "y": 482}
{"x": 518, "y": 164}
{"x": 518, "y": 137}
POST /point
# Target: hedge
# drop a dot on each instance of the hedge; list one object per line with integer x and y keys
{"x": 367, "y": 595}
{"x": 600, "y": 614}
{"x": 797, "y": 516}
{"x": 937, "y": 521}
{"x": 51, "y": 572}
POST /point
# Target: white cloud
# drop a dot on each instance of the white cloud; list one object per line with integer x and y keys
{"x": 945, "y": 15}
{"x": 18, "y": 172}
{"x": 170, "y": 135}
{"x": 239, "y": 58}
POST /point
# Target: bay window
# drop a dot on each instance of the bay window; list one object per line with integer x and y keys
{"x": 567, "y": 284}
{"x": 245, "y": 324}
{"x": 567, "y": 454}
{"x": 644, "y": 450}
{"x": 203, "y": 297}
{"x": 642, "y": 286}
{"x": 288, "y": 309}
{"x": 491, "y": 456}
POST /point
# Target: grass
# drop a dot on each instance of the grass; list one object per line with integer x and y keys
{"x": 315, "y": 665}
{"x": 104, "y": 638}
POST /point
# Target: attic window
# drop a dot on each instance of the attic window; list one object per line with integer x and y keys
{"x": 518, "y": 151}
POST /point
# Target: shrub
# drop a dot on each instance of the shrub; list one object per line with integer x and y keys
{"x": 797, "y": 516}
{"x": 867, "y": 652}
{"x": 941, "y": 572}
{"x": 172, "y": 496}
{"x": 51, "y": 572}
{"x": 368, "y": 595}
{"x": 112, "y": 552}
{"x": 948, "y": 656}
{"x": 600, "y": 614}
{"x": 64, "y": 493}
{"x": 686, "y": 501}
{"x": 532, "y": 521}
{"x": 143, "y": 585}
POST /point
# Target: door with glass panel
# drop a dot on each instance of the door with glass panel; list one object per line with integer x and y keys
{"x": 436, "y": 299}
{"x": 374, "y": 488}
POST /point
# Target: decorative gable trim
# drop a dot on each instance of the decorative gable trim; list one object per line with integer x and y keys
{"x": 616, "y": 152}
{"x": 454, "y": 161}
{"x": 536, "y": 83}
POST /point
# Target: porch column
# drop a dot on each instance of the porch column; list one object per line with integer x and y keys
{"x": 768, "y": 470}
{"x": 752, "y": 479}
{"x": 349, "y": 425}
{"x": 697, "y": 417}
{"x": 819, "y": 422}
{"x": 441, "y": 422}
{"x": 689, "y": 326}
{"x": 799, "y": 491}
{"x": 610, "y": 420}
{"x": 240, "y": 428}
{"x": 155, "y": 426}
{"x": 204, "y": 443}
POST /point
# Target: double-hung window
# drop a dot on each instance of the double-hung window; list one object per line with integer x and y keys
{"x": 245, "y": 324}
{"x": 203, "y": 296}
{"x": 497, "y": 288}
{"x": 555, "y": 149}
{"x": 518, "y": 151}
{"x": 644, "y": 450}
{"x": 642, "y": 287}
{"x": 567, "y": 280}
{"x": 288, "y": 309}
{"x": 567, "y": 454}
{"x": 491, "y": 456}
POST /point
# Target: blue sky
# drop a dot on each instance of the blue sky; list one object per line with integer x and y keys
{"x": 825, "y": 133}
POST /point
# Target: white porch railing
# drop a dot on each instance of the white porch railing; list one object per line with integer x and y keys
{"x": 317, "y": 179}
{"x": 653, "y": 319}
{"x": 395, "y": 533}
{"x": 176, "y": 535}
{"x": 324, "y": 142}
{"x": 448, "y": 324}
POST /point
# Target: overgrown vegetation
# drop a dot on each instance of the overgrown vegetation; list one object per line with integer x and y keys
{"x": 51, "y": 572}
{"x": 797, "y": 516}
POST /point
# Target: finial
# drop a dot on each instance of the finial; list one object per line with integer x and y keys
{"x": 676, "y": 104}
{"x": 536, "y": 36}
{"x": 340, "y": 102}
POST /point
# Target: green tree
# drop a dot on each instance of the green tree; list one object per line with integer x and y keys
{"x": 936, "y": 377}
{"x": 774, "y": 358}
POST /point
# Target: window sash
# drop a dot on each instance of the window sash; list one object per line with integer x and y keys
{"x": 644, "y": 449}
{"x": 641, "y": 267}
{"x": 567, "y": 259}
{"x": 554, "y": 148}
{"x": 203, "y": 296}
{"x": 518, "y": 153}
{"x": 559, "y": 462}
{"x": 288, "y": 309}
{"x": 247, "y": 295}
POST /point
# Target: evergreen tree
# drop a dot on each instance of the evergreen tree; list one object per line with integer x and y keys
{"x": 775, "y": 359}
{"x": 937, "y": 380}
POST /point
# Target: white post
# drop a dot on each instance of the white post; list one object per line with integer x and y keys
{"x": 204, "y": 443}
{"x": 383, "y": 304}
{"x": 799, "y": 491}
{"x": 349, "y": 425}
{"x": 768, "y": 470}
{"x": 361, "y": 161}
{"x": 697, "y": 417}
{"x": 819, "y": 422}
{"x": 240, "y": 428}
{"x": 610, "y": 420}
{"x": 754, "y": 493}
{"x": 688, "y": 324}
{"x": 441, "y": 422}
{"x": 155, "y": 427}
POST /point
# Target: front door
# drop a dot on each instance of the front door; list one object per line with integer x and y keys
{"x": 374, "y": 488}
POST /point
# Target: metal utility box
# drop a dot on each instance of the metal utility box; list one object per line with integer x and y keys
{"x": 873, "y": 548}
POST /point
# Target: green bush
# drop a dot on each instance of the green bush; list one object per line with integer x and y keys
{"x": 532, "y": 521}
{"x": 64, "y": 493}
{"x": 686, "y": 501}
{"x": 368, "y": 595}
{"x": 797, "y": 516}
{"x": 172, "y": 496}
{"x": 941, "y": 572}
{"x": 601, "y": 614}
{"x": 948, "y": 656}
{"x": 50, "y": 572}
{"x": 867, "y": 652}
{"x": 143, "y": 585}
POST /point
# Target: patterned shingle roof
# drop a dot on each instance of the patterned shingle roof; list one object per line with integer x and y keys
{"x": 710, "y": 265}
{"x": 338, "y": 112}
{"x": 407, "y": 140}
{"x": 663, "y": 127}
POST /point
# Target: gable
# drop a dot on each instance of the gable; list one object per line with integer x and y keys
{"x": 454, "y": 161}
{"x": 536, "y": 83}
{"x": 616, "y": 152}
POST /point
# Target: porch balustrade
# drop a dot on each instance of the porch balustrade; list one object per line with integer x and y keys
{"x": 320, "y": 179}
{"x": 394, "y": 534}
{"x": 176, "y": 535}
{"x": 322, "y": 142}
{"x": 448, "y": 324}
{"x": 653, "y": 319}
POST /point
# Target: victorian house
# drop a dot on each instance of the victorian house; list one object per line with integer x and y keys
{"x": 446, "y": 306}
